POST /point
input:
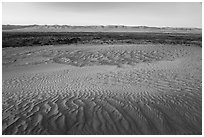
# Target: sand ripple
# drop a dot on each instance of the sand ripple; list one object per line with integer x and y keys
{"x": 149, "y": 99}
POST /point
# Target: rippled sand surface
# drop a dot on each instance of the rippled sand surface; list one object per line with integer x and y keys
{"x": 103, "y": 89}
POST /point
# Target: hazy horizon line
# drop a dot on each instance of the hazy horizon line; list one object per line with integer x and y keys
{"x": 99, "y": 25}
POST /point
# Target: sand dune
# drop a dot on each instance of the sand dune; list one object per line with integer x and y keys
{"x": 107, "y": 89}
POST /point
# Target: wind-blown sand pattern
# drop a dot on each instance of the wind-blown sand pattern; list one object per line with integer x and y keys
{"x": 103, "y": 89}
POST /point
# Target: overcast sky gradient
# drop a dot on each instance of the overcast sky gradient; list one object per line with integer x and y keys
{"x": 133, "y": 14}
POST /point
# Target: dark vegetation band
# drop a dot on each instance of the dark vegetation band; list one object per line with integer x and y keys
{"x": 21, "y": 39}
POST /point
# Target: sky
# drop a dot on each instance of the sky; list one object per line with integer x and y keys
{"x": 184, "y": 14}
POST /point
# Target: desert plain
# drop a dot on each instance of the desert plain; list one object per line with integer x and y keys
{"x": 131, "y": 88}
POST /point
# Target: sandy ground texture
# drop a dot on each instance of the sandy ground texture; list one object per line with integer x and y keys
{"x": 103, "y": 89}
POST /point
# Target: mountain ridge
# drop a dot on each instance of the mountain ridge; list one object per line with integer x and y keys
{"x": 96, "y": 28}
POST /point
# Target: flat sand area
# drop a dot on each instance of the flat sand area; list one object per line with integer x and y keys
{"x": 102, "y": 89}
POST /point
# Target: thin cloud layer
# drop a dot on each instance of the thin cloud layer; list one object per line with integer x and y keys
{"x": 104, "y": 13}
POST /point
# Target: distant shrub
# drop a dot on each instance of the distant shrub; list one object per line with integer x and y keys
{"x": 19, "y": 39}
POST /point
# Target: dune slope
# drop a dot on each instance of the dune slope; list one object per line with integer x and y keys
{"x": 111, "y": 89}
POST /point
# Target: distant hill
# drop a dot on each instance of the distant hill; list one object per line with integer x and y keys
{"x": 109, "y": 28}
{"x": 14, "y": 27}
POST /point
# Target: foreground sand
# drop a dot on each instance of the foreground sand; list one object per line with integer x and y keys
{"x": 46, "y": 91}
